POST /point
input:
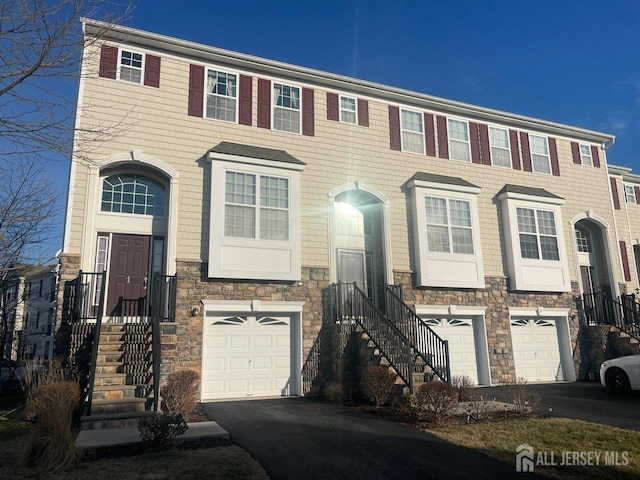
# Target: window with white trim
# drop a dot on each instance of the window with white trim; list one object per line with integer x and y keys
{"x": 538, "y": 237}
{"x": 132, "y": 193}
{"x": 629, "y": 194}
{"x": 459, "y": 147}
{"x": 585, "y": 155}
{"x": 583, "y": 243}
{"x": 130, "y": 66}
{"x": 540, "y": 159}
{"x": 287, "y": 108}
{"x": 412, "y": 131}
{"x": 500, "y": 150}
{"x": 449, "y": 225}
{"x": 348, "y": 110}
{"x": 221, "y": 95}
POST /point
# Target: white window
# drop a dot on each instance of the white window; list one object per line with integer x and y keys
{"x": 449, "y": 225}
{"x": 538, "y": 237}
{"x": 348, "y": 220}
{"x": 101, "y": 266}
{"x": 459, "y": 140}
{"x": 446, "y": 230}
{"x": 412, "y": 131}
{"x": 348, "y": 110}
{"x": 534, "y": 240}
{"x": 254, "y": 218}
{"x": 132, "y": 193}
{"x": 540, "y": 160}
{"x": 582, "y": 241}
{"x": 222, "y": 96}
{"x": 131, "y": 66}
{"x": 629, "y": 194}
{"x": 585, "y": 155}
{"x": 500, "y": 151}
{"x": 287, "y": 108}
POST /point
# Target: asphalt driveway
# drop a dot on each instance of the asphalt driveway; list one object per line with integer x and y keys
{"x": 299, "y": 438}
{"x": 588, "y": 401}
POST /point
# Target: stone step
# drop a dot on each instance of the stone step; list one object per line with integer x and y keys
{"x": 109, "y": 357}
{"x": 106, "y": 379}
{"x": 110, "y": 347}
{"x": 113, "y": 420}
{"x": 123, "y": 405}
{"x": 113, "y": 392}
{"x": 109, "y": 367}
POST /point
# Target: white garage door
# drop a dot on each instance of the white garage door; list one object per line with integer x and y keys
{"x": 246, "y": 356}
{"x": 536, "y": 351}
{"x": 462, "y": 347}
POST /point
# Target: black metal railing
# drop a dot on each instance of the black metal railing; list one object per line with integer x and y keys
{"x": 351, "y": 306}
{"x": 163, "y": 309}
{"x": 88, "y": 295}
{"x": 96, "y": 292}
{"x": 600, "y": 309}
{"x": 426, "y": 343}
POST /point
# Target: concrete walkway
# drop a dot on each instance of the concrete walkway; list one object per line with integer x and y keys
{"x": 118, "y": 437}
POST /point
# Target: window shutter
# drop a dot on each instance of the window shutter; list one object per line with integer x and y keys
{"x": 625, "y": 261}
{"x": 526, "y": 153}
{"x": 595, "y": 156}
{"x": 196, "y": 90}
{"x": 308, "y": 110}
{"x": 430, "y": 135}
{"x": 515, "y": 151}
{"x": 575, "y": 153}
{"x": 636, "y": 192}
{"x": 474, "y": 138}
{"x": 333, "y": 112}
{"x": 264, "y": 103}
{"x": 394, "y": 127}
{"x": 553, "y": 155}
{"x": 363, "y": 113}
{"x": 485, "y": 154}
{"x": 614, "y": 193}
{"x": 246, "y": 100}
{"x": 152, "y": 71}
{"x": 443, "y": 144}
{"x": 108, "y": 61}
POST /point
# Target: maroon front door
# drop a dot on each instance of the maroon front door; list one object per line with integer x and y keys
{"x": 128, "y": 275}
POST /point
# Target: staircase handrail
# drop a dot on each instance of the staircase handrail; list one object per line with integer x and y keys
{"x": 94, "y": 348}
{"x": 600, "y": 309}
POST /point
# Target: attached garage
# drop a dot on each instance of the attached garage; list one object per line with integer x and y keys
{"x": 250, "y": 353}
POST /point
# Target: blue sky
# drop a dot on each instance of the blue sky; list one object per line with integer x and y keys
{"x": 572, "y": 62}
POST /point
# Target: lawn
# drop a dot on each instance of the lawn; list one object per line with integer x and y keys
{"x": 499, "y": 439}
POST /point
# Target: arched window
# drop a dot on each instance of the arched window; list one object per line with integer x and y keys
{"x": 131, "y": 193}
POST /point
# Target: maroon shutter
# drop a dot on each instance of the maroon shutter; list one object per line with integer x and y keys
{"x": 308, "y": 111}
{"x": 264, "y": 103}
{"x": 430, "y": 134}
{"x": 625, "y": 261}
{"x": 246, "y": 100}
{"x": 485, "y": 154}
{"x": 443, "y": 143}
{"x": 363, "y": 113}
{"x": 575, "y": 152}
{"x": 526, "y": 154}
{"x": 108, "y": 61}
{"x": 394, "y": 127}
{"x": 614, "y": 193}
{"x": 595, "y": 157}
{"x": 152, "y": 71}
{"x": 333, "y": 112}
{"x": 515, "y": 151}
{"x": 196, "y": 90}
{"x": 553, "y": 154}
{"x": 636, "y": 192}
{"x": 474, "y": 137}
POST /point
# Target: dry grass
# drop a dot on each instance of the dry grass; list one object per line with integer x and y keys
{"x": 500, "y": 439}
{"x": 180, "y": 394}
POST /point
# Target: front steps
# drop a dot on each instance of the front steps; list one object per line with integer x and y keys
{"x": 123, "y": 377}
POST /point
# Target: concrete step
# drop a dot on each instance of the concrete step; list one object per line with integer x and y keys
{"x": 106, "y": 379}
{"x": 113, "y": 420}
{"x": 123, "y": 405}
{"x": 113, "y": 392}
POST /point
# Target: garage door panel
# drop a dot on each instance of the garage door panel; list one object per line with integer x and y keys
{"x": 262, "y": 341}
{"x": 239, "y": 341}
{"x": 536, "y": 350}
{"x": 462, "y": 347}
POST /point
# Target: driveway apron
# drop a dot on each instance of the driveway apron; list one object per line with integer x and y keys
{"x": 299, "y": 438}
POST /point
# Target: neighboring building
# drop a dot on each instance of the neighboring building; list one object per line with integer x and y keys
{"x": 259, "y": 184}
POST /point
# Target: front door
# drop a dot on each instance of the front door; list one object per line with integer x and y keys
{"x": 351, "y": 268}
{"x": 128, "y": 275}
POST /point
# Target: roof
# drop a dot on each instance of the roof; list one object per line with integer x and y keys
{"x": 432, "y": 177}
{"x": 250, "y": 151}
{"x": 536, "y": 192}
{"x": 192, "y": 50}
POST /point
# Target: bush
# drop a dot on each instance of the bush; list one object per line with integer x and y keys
{"x": 463, "y": 384}
{"x": 54, "y": 408}
{"x": 435, "y": 400}
{"x": 525, "y": 401}
{"x": 377, "y": 384}
{"x": 333, "y": 392}
{"x": 159, "y": 429}
{"x": 180, "y": 394}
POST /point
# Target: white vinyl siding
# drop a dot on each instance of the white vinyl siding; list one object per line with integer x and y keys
{"x": 458, "y": 132}
{"x": 500, "y": 151}
{"x": 540, "y": 160}
{"x": 412, "y": 131}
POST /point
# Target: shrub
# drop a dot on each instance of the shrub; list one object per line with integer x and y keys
{"x": 435, "y": 400}
{"x": 159, "y": 429}
{"x": 333, "y": 392}
{"x": 463, "y": 385}
{"x": 377, "y": 384}
{"x": 180, "y": 394}
{"x": 525, "y": 401}
{"x": 54, "y": 409}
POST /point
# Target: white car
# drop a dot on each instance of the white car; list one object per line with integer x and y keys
{"x": 621, "y": 374}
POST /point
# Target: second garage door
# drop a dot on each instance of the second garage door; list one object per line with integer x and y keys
{"x": 536, "y": 350}
{"x": 245, "y": 356}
